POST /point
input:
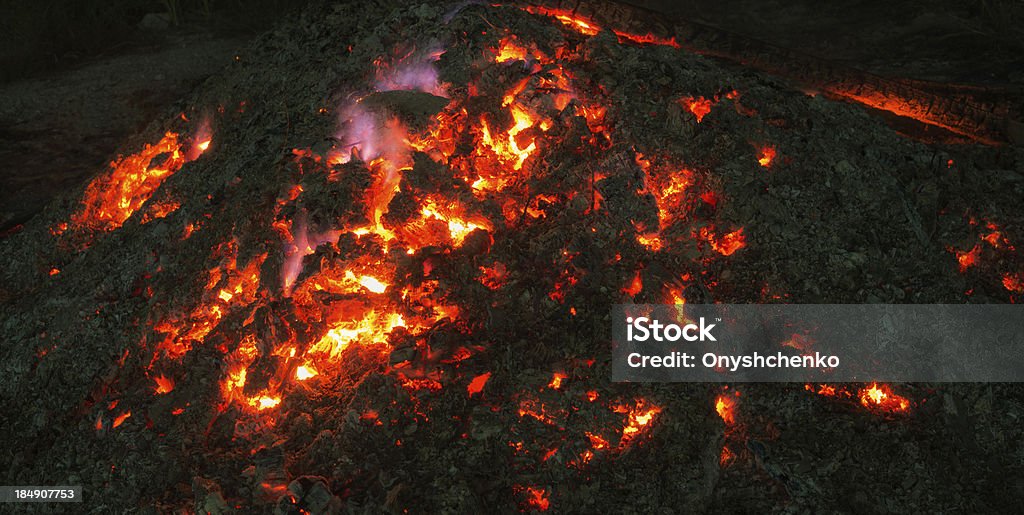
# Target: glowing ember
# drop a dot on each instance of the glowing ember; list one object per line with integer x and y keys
{"x": 121, "y": 418}
{"x": 556, "y": 380}
{"x": 536, "y": 498}
{"x": 637, "y": 419}
{"x": 726, "y": 245}
{"x": 163, "y": 385}
{"x": 303, "y": 372}
{"x": 110, "y": 199}
{"x": 265, "y": 402}
{"x": 477, "y": 384}
{"x": 726, "y": 457}
{"x": 725, "y": 406}
{"x": 882, "y": 397}
{"x": 699, "y": 106}
{"x": 1014, "y": 283}
{"x": 967, "y": 259}
{"x": 766, "y": 156}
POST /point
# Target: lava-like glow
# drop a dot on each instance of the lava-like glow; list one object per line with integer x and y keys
{"x": 766, "y": 156}
{"x": 725, "y": 405}
{"x": 118, "y": 420}
{"x": 699, "y": 106}
{"x": 638, "y": 418}
{"x": 1014, "y": 283}
{"x": 556, "y": 380}
{"x": 163, "y": 384}
{"x": 726, "y": 245}
{"x": 882, "y": 397}
{"x": 477, "y": 384}
{"x": 967, "y": 258}
{"x": 536, "y": 499}
{"x": 303, "y": 372}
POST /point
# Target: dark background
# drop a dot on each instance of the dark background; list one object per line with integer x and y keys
{"x": 78, "y": 76}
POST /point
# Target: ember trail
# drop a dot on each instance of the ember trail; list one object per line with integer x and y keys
{"x": 370, "y": 265}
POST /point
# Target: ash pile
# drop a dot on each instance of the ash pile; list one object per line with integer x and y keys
{"x": 370, "y": 267}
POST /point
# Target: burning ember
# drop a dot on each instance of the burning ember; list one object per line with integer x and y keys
{"x": 379, "y": 292}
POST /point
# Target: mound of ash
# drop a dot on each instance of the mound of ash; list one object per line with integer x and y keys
{"x": 371, "y": 264}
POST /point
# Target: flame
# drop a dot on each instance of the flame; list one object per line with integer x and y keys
{"x": 766, "y": 156}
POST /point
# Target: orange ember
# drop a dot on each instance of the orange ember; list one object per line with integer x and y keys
{"x": 725, "y": 406}
{"x": 882, "y": 397}
{"x": 536, "y": 499}
{"x": 556, "y": 380}
{"x": 477, "y": 384}
{"x": 766, "y": 156}
{"x": 967, "y": 258}
{"x": 121, "y": 418}
{"x": 1014, "y": 283}
{"x": 638, "y": 418}
{"x": 163, "y": 384}
{"x": 112, "y": 198}
{"x": 726, "y": 245}
{"x": 635, "y": 286}
{"x": 699, "y": 106}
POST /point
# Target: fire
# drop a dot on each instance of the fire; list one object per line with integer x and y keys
{"x": 726, "y": 245}
{"x": 597, "y": 442}
{"x": 163, "y": 384}
{"x": 725, "y": 406}
{"x": 556, "y": 380}
{"x": 882, "y": 397}
{"x": 1014, "y": 283}
{"x": 493, "y": 277}
{"x": 766, "y": 156}
{"x": 637, "y": 419}
{"x": 875, "y": 397}
{"x": 118, "y": 420}
{"x": 265, "y": 402}
{"x": 536, "y": 498}
{"x": 510, "y": 149}
{"x": 477, "y": 384}
{"x": 587, "y": 27}
{"x": 635, "y": 286}
{"x": 699, "y": 106}
{"x": 968, "y": 258}
{"x": 509, "y": 49}
{"x": 726, "y": 456}
{"x": 111, "y": 199}
{"x": 303, "y": 372}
